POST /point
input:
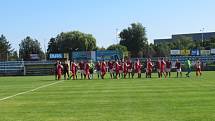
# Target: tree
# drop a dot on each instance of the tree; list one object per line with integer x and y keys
{"x": 134, "y": 38}
{"x": 14, "y": 56}
{"x": 212, "y": 42}
{"x": 183, "y": 42}
{"x": 162, "y": 50}
{"x": 118, "y": 47}
{"x": 149, "y": 51}
{"x": 52, "y": 46}
{"x": 70, "y": 41}
{"x": 5, "y": 48}
{"x": 100, "y": 48}
{"x": 209, "y": 44}
{"x": 30, "y": 46}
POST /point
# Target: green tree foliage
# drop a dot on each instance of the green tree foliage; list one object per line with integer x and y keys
{"x": 209, "y": 44}
{"x": 134, "y": 38}
{"x": 70, "y": 41}
{"x": 149, "y": 51}
{"x": 5, "y": 48}
{"x": 162, "y": 50}
{"x": 118, "y": 47}
{"x": 183, "y": 42}
{"x": 30, "y": 46}
{"x": 14, "y": 56}
{"x": 53, "y": 46}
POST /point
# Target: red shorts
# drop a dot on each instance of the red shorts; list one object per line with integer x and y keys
{"x": 198, "y": 69}
{"x": 73, "y": 72}
{"x": 162, "y": 70}
{"x": 138, "y": 71}
{"x": 87, "y": 72}
{"x": 149, "y": 70}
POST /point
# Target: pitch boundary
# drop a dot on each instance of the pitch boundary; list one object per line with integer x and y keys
{"x": 32, "y": 90}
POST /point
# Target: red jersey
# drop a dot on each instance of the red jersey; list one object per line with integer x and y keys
{"x": 168, "y": 64}
{"x": 98, "y": 67}
{"x": 158, "y": 64}
{"x": 81, "y": 65}
{"x": 59, "y": 69}
{"x": 120, "y": 67}
{"x": 137, "y": 65}
{"x": 110, "y": 65}
{"x": 73, "y": 67}
{"x": 149, "y": 65}
{"x": 125, "y": 67}
{"x": 129, "y": 65}
{"x": 87, "y": 66}
{"x": 103, "y": 67}
{"x": 117, "y": 67}
{"x": 163, "y": 63}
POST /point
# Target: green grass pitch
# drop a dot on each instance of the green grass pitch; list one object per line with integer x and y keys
{"x": 171, "y": 99}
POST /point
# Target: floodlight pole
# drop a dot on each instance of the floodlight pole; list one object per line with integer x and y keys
{"x": 202, "y": 30}
{"x": 117, "y": 35}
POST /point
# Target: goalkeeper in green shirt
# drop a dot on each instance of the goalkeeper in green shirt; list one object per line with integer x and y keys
{"x": 188, "y": 66}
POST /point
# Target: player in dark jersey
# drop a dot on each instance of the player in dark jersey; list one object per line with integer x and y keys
{"x": 178, "y": 68}
{"x": 81, "y": 68}
{"x": 66, "y": 70}
{"x": 98, "y": 69}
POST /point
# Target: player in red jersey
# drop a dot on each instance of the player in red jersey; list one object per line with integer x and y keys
{"x": 162, "y": 69}
{"x": 87, "y": 70}
{"x": 125, "y": 69}
{"x": 103, "y": 69}
{"x": 198, "y": 68}
{"x": 138, "y": 68}
{"x": 59, "y": 70}
{"x": 81, "y": 68}
{"x": 111, "y": 69}
{"x": 117, "y": 66}
{"x": 149, "y": 67}
{"x": 158, "y": 66}
{"x": 121, "y": 69}
{"x": 129, "y": 63}
{"x": 168, "y": 68}
{"x": 73, "y": 70}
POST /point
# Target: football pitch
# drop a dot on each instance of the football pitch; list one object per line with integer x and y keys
{"x": 41, "y": 98}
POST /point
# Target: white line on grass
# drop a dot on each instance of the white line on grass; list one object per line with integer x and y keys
{"x": 21, "y": 93}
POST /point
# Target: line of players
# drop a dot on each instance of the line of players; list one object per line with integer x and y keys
{"x": 122, "y": 69}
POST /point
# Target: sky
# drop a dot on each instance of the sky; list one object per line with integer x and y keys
{"x": 43, "y": 19}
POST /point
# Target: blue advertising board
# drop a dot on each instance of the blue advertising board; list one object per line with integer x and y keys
{"x": 195, "y": 52}
{"x": 56, "y": 56}
{"x": 107, "y": 55}
{"x": 83, "y": 55}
